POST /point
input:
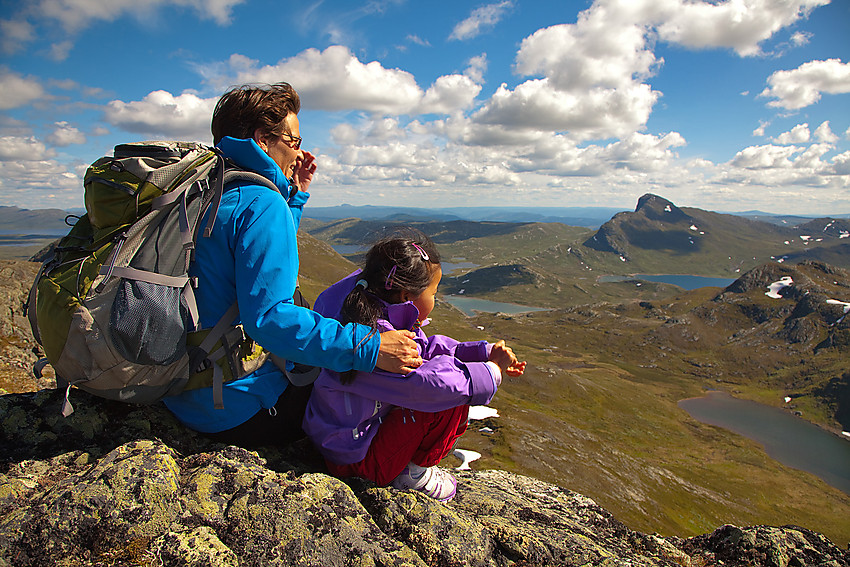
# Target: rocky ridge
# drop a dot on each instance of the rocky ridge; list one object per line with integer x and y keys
{"x": 115, "y": 484}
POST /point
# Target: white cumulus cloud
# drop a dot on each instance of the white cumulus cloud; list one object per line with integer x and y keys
{"x": 160, "y": 113}
{"x": 737, "y": 24}
{"x": 18, "y": 90}
{"x": 595, "y": 52}
{"x": 39, "y": 184}
{"x": 335, "y": 79}
{"x": 804, "y": 85}
{"x": 765, "y": 157}
{"x": 66, "y": 135}
{"x": 23, "y": 148}
{"x": 797, "y": 135}
{"x": 824, "y": 133}
{"x": 596, "y": 114}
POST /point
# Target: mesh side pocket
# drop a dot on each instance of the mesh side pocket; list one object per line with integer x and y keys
{"x": 148, "y": 323}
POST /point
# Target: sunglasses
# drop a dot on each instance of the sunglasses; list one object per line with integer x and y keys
{"x": 295, "y": 139}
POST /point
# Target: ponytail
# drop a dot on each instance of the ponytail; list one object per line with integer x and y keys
{"x": 360, "y": 306}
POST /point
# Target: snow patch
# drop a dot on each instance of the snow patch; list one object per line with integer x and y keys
{"x": 482, "y": 412}
{"x": 667, "y": 209}
{"x": 465, "y": 457}
{"x": 776, "y": 287}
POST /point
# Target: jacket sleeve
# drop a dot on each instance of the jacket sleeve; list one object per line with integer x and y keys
{"x": 296, "y": 207}
{"x": 441, "y": 383}
{"x": 471, "y": 351}
{"x": 266, "y": 269}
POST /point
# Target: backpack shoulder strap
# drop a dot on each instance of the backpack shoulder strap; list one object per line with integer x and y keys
{"x": 231, "y": 175}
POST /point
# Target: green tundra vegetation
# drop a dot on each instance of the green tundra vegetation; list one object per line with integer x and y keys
{"x": 597, "y": 410}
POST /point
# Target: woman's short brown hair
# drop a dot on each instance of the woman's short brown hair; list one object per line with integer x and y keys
{"x": 242, "y": 110}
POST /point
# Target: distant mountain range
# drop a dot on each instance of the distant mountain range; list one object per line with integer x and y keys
{"x": 35, "y": 221}
{"x": 52, "y": 220}
{"x": 590, "y": 217}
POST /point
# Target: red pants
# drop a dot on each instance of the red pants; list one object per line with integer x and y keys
{"x": 425, "y": 440}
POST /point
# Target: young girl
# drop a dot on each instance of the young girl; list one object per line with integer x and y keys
{"x": 390, "y": 428}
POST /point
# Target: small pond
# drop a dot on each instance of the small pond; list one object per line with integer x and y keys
{"x": 785, "y": 437}
{"x": 471, "y": 305}
{"x": 349, "y": 248}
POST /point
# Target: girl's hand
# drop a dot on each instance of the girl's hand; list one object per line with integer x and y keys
{"x": 303, "y": 170}
{"x": 516, "y": 369}
{"x": 503, "y": 356}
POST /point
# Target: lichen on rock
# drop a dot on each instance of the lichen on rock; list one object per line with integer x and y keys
{"x": 145, "y": 491}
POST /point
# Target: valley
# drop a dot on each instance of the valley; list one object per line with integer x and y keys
{"x": 597, "y": 409}
{"x": 608, "y": 362}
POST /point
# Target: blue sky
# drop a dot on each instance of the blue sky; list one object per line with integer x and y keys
{"x": 729, "y": 105}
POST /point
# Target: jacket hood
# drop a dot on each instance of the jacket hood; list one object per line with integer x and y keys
{"x": 402, "y": 316}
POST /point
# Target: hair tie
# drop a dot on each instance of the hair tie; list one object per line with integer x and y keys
{"x": 421, "y": 252}
{"x": 362, "y": 283}
{"x": 388, "y": 284}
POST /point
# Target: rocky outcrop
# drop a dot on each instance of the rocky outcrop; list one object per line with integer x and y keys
{"x": 18, "y": 349}
{"x": 115, "y": 484}
{"x": 809, "y": 310}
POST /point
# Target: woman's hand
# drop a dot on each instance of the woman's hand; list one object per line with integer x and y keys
{"x": 398, "y": 352}
{"x": 303, "y": 170}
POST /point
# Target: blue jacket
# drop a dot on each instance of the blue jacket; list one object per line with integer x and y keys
{"x": 252, "y": 257}
{"x": 342, "y": 419}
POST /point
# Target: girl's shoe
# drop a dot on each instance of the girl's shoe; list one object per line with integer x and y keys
{"x": 432, "y": 481}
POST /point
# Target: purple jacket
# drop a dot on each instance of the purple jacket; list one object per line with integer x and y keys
{"x": 342, "y": 419}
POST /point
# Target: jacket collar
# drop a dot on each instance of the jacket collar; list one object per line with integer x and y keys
{"x": 402, "y": 316}
{"x": 245, "y": 153}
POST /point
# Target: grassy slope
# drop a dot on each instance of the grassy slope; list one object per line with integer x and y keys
{"x": 590, "y": 415}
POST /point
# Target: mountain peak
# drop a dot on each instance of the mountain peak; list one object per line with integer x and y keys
{"x": 659, "y": 208}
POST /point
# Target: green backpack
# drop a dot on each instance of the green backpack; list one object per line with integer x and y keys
{"x": 114, "y": 306}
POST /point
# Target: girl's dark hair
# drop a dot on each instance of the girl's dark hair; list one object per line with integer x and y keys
{"x": 402, "y": 262}
{"x": 242, "y": 110}
{"x": 393, "y": 265}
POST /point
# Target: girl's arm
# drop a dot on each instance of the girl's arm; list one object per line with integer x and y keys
{"x": 441, "y": 383}
{"x": 472, "y": 351}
